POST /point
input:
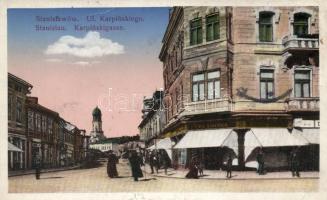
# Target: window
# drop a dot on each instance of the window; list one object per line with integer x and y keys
{"x": 300, "y": 25}
{"x": 50, "y": 122}
{"x": 212, "y": 82}
{"x": 30, "y": 120}
{"x": 212, "y": 27}
{"x": 302, "y": 83}
{"x": 18, "y": 88}
{"x": 9, "y": 106}
{"x": 196, "y": 31}
{"x": 266, "y": 84}
{"x": 265, "y": 27}
{"x": 198, "y": 87}
{"x": 19, "y": 110}
{"x": 44, "y": 124}
{"x": 177, "y": 99}
{"x": 38, "y": 122}
{"x": 213, "y": 85}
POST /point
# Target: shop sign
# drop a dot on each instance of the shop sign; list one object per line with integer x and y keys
{"x": 36, "y": 145}
{"x": 299, "y": 122}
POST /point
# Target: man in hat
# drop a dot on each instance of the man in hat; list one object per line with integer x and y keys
{"x": 261, "y": 162}
{"x": 229, "y": 166}
{"x": 295, "y": 163}
{"x": 37, "y": 167}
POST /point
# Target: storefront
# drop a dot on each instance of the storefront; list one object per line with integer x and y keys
{"x": 17, "y": 154}
{"x": 36, "y": 152}
{"x": 212, "y": 147}
{"x": 209, "y": 146}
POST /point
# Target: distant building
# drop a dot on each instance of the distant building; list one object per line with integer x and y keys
{"x": 17, "y": 146}
{"x": 97, "y": 132}
{"x": 105, "y": 145}
{"x": 35, "y": 131}
{"x": 43, "y": 133}
{"x": 153, "y": 118}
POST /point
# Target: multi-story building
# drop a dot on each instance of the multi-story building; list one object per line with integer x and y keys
{"x": 42, "y": 131}
{"x": 153, "y": 119}
{"x": 244, "y": 78}
{"x": 36, "y": 132}
{"x": 17, "y": 140}
{"x": 69, "y": 143}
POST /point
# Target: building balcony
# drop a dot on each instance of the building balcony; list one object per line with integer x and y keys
{"x": 303, "y": 104}
{"x": 292, "y": 42}
{"x": 207, "y": 106}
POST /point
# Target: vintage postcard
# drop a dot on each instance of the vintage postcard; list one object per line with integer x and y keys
{"x": 179, "y": 99}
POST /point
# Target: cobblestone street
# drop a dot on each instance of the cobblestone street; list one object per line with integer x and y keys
{"x": 96, "y": 180}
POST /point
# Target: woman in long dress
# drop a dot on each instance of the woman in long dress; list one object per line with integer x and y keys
{"x": 136, "y": 162}
{"x": 111, "y": 166}
{"x": 193, "y": 173}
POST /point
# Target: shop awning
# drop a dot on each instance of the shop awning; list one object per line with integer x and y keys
{"x": 12, "y": 147}
{"x": 161, "y": 144}
{"x": 311, "y": 135}
{"x": 270, "y": 137}
{"x": 204, "y": 138}
{"x": 164, "y": 144}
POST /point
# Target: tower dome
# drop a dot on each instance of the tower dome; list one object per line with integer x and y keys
{"x": 96, "y": 114}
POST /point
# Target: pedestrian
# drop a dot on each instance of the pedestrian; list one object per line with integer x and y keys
{"x": 135, "y": 163}
{"x": 261, "y": 162}
{"x": 165, "y": 161}
{"x": 295, "y": 164}
{"x": 193, "y": 170}
{"x": 111, "y": 166}
{"x": 229, "y": 166}
{"x": 152, "y": 161}
{"x": 156, "y": 161}
{"x": 201, "y": 167}
{"x": 37, "y": 167}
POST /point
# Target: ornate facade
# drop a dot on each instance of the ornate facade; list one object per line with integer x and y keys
{"x": 241, "y": 68}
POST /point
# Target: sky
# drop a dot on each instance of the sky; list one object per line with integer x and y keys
{"x": 74, "y": 68}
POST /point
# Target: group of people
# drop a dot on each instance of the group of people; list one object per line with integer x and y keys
{"x": 135, "y": 162}
{"x": 196, "y": 167}
{"x": 294, "y": 162}
{"x": 157, "y": 159}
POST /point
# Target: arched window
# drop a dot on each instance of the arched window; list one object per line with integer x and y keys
{"x": 300, "y": 24}
{"x": 266, "y": 26}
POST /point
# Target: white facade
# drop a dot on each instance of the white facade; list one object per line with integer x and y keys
{"x": 104, "y": 146}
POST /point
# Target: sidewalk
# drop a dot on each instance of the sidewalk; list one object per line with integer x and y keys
{"x": 32, "y": 171}
{"x": 236, "y": 175}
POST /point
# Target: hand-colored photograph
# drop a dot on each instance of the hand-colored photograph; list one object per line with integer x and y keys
{"x": 163, "y": 99}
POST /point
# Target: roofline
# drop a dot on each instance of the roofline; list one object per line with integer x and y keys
{"x": 172, "y": 22}
{"x": 20, "y": 80}
{"x": 43, "y": 108}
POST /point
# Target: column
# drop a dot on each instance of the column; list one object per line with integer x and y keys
{"x": 240, "y": 140}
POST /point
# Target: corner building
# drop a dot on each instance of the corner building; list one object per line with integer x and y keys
{"x": 238, "y": 79}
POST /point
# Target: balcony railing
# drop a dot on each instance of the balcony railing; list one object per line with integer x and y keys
{"x": 207, "y": 106}
{"x": 303, "y": 104}
{"x": 303, "y": 43}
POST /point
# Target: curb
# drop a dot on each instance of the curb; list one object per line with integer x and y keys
{"x": 284, "y": 178}
{"x": 50, "y": 171}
